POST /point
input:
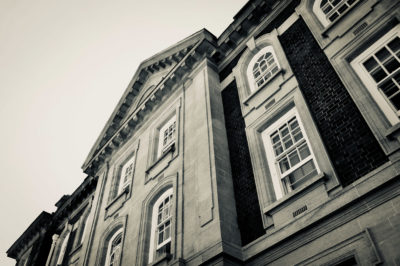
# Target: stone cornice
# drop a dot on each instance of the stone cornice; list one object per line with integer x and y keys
{"x": 160, "y": 91}
{"x": 76, "y": 198}
{"x": 172, "y": 56}
{"x": 245, "y": 22}
{"x": 40, "y": 223}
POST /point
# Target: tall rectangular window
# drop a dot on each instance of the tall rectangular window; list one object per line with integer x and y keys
{"x": 126, "y": 174}
{"x": 167, "y": 136}
{"x": 379, "y": 69}
{"x": 290, "y": 158}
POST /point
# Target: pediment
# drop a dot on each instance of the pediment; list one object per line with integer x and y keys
{"x": 153, "y": 76}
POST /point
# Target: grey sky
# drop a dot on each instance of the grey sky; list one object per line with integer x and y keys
{"x": 64, "y": 65}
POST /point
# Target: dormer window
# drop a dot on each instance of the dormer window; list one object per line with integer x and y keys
{"x": 262, "y": 68}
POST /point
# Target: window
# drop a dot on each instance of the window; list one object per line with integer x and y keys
{"x": 161, "y": 226}
{"x": 329, "y": 11}
{"x": 166, "y": 136}
{"x": 379, "y": 69}
{"x": 262, "y": 68}
{"x": 290, "y": 158}
{"x": 114, "y": 249}
{"x": 334, "y": 8}
{"x": 126, "y": 174}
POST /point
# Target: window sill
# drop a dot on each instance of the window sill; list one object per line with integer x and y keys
{"x": 295, "y": 194}
{"x": 161, "y": 163}
{"x": 117, "y": 202}
{"x": 281, "y": 71}
{"x": 75, "y": 250}
{"x": 166, "y": 151}
{"x": 162, "y": 260}
{"x": 393, "y": 132}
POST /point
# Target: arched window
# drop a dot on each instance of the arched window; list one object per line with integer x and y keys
{"x": 329, "y": 11}
{"x": 262, "y": 68}
{"x": 160, "y": 238}
{"x": 114, "y": 249}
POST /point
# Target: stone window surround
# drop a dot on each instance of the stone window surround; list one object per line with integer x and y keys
{"x": 250, "y": 75}
{"x": 275, "y": 173}
{"x": 283, "y": 86}
{"x": 117, "y": 225}
{"x": 262, "y": 173}
{"x": 322, "y": 17}
{"x": 387, "y": 134}
{"x": 156, "y": 164}
{"x": 324, "y": 33}
{"x": 367, "y": 80}
{"x": 115, "y": 192}
{"x": 246, "y": 89}
{"x": 108, "y": 254}
{"x": 143, "y": 247}
{"x": 153, "y": 235}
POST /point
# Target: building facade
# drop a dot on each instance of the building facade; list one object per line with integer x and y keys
{"x": 277, "y": 143}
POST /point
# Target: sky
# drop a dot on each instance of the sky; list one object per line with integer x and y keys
{"x": 63, "y": 67}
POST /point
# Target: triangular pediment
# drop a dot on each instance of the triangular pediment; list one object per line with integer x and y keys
{"x": 150, "y": 75}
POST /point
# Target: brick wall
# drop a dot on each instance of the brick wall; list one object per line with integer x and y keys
{"x": 247, "y": 205}
{"x": 351, "y": 145}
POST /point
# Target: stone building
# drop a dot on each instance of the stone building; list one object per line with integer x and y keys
{"x": 277, "y": 143}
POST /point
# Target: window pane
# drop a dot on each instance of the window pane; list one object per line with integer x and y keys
{"x": 284, "y": 165}
{"x": 304, "y": 151}
{"x": 342, "y": 9}
{"x": 333, "y": 17}
{"x": 278, "y": 149}
{"x": 378, "y": 74}
{"x": 287, "y": 141}
{"x": 294, "y": 158}
{"x": 394, "y": 45}
{"x": 396, "y": 101}
{"x": 370, "y": 64}
{"x": 389, "y": 88}
{"x": 382, "y": 54}
{"x": 391, "y": 65}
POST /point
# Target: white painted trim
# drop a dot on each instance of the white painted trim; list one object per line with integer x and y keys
{"x": 272, "y": 164}
{"x": 368, "y": 81}
{"x": 154, "y": 222}
{"x": 249, "y": 72}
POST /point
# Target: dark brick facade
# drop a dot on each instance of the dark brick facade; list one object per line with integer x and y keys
{"x": 351, "y": 145}
{"x": 247, "y": 205}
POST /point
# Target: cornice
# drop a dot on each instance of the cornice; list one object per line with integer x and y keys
{"x": 163, "y": 89}
{"x": 40, "y": 223}
{"x": 246, "y": 21}
{"x": 172, "y": 56}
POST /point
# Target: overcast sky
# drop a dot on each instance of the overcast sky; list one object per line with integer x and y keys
{"x": 63, "y": 67}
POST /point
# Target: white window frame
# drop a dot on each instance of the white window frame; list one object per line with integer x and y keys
{"x": 250, "y": 75}
{"x": 276, "y": 174}
{"x": 154, "y": 246}
{"x": 109, "y": 246}
{"x": 129, "y": 164}
{"x": 323, "y": 18}
{"x": 369, "y": 82}
{"x": 171, "y": 124}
